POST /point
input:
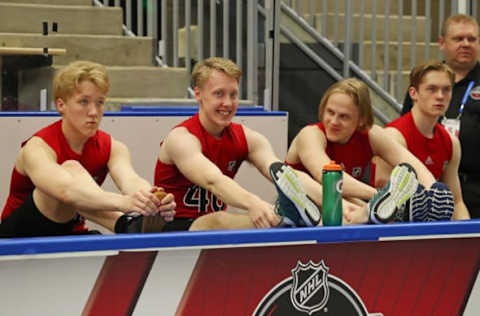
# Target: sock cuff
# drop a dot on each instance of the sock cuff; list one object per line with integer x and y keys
{"x": 121, "y": 224}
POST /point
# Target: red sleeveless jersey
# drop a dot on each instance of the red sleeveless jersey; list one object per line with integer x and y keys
{"x": 354, "y": 156}
{"x": 227, "y": 153}
{"x": 435, "y": 153}
{"x": 94, "y": 159}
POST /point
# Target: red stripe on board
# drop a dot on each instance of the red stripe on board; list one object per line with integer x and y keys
{"x": 119, "y": 284}
{"x": 415, "y": 277}
{"x": 376, "y": 273}
{"x": 442, "y": 262}
{"x": 397, "y": 259}
{"x": 465, "y": 267}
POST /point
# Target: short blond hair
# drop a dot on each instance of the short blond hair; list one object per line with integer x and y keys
{"x": 457, "y": 19}
{"x": 202, "y": 70}
{"x": 360, "y": 95}
{"x": 67, "y": 79}
{"x": 419, "y": 72}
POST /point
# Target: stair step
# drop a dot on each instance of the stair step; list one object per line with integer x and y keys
{"x": 368, "y": 19}
{"x": 148, "y": 82}
{"x": 53, "y": 2}
{"x": 28, "y": 18}
{"x": 341, "y": 5}
{"x": 393, "y": 55}
{"x": 104, "y": 49}
{"x": 392, "y": 87}
{"x": 125, "y": 82}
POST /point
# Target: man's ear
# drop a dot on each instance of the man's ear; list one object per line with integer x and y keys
{"x": 60, "y": 104}
{"x": 361, "y": 124}
{"x": 441, "y": 42}
{"x": 413, "y": 93}
{"x": 197, "y": 93}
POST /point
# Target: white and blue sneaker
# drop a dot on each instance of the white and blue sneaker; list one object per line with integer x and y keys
{"x": 434, "y": 204}
{"x": 392, "y": 198}
{"x": 293, "y": 205}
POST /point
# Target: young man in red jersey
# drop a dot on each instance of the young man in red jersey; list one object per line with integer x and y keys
{"x": 419, "y": 131}
{"x": 57, "y": 175}
{"x": 346, "y": 134}
{"x": 199, "y": 158}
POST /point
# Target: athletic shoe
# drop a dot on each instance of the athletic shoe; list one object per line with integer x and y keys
{"x": 391, "y": 199}
{"x": 434, "y": 204}
{"x": 293, "y": 204}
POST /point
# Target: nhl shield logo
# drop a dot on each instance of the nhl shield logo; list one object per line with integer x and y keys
{"x": 310, "y": 291}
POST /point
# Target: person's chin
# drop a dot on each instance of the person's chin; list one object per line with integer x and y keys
{"x": 466, "y": 61}
{"x": 333, "y": 137}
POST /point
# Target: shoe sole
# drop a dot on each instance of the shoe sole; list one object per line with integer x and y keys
{"x": 288, "y": 183}
{"x": 403, "y": 184}
{"x": 436, "y": 205}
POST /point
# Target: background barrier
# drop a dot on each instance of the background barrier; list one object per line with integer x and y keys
{"x": 397, "y": 269}
{"x": 142, "y": 132}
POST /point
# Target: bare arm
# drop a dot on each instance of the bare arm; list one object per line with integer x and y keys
{"x": 121, "y": 170}
{"x": 315, "y": 157}
{"x": 386, "y": 147}
{"x": 184, "y": 150}
{"x": 131, "y": 184}
{"x": 450, "y": 178}
{"x": 78, "y": 189}
{"x": 383, "y": 168}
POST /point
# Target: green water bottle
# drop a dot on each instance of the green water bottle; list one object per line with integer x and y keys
{"x": 332, "y": 177}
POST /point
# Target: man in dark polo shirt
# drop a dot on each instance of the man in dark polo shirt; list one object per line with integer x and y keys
{"x": 459, "y": 41}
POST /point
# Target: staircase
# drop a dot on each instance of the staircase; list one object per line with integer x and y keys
{"x": 87, "y": 33}
{"x": 376, "y": 40}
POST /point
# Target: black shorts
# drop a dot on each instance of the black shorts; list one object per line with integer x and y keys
{"x": 178, "y": 224}
{"x": 28, "y": 221}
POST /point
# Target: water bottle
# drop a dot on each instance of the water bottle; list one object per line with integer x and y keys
{"x": 332, "y": 177}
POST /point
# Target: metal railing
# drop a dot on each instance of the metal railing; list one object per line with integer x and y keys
{"x": 383, "y": 28}
{"x": 187, "y": 31}
{"x": 378, "y": 40}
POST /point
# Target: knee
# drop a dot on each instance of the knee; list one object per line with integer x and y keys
{"x": 72, "y": 166}
{"x": 209, "y": 221}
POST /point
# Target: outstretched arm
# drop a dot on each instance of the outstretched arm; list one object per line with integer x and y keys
{"x": 131, "y": 184}
{"x": 385, "y": 145}
{"x": 450, "y": 178}
{"x": 184, "y": 150}
{"x": 68, "y": 183}
{"x": 310, "y": 146}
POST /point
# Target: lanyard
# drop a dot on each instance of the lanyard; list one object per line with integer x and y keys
{"x": 465, "y": 98}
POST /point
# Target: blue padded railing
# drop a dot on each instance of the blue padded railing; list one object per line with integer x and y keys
{"x": 254, "y": 237}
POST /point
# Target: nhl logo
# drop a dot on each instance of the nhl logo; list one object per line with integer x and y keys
{"x": 310, "y": 291}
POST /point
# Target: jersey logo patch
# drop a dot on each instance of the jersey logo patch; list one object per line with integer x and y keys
{"x": 429, "y": 161}
{"x": 231, "y": 165}
{"x": 356, "y": 172}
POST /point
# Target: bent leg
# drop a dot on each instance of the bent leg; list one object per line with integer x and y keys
{"x": 222, "y": 220}
{"x": 54, "y": 208}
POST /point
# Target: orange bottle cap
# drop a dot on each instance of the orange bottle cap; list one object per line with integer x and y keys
{"x": 332, "y": 166}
